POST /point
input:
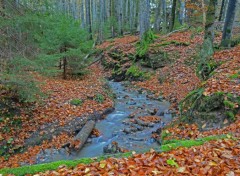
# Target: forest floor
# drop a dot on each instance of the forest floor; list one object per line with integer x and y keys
{"x": 174, "y": 81}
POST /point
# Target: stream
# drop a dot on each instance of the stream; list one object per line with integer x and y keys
{"x": 120, "y": 126}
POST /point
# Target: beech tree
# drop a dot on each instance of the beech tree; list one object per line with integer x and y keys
{"x": 228, "y": 25}
{"x": 144, "y": 17}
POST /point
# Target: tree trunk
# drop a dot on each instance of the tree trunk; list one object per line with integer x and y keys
{"x": 173, "y": 14}
{"x": 210, "y": 18}
{"x": 182, "y": 11}
{"x": 64, "y": 64}
{"x": 112, "y": 16}
{"x": 88, "y": 17}
{"x": 164, "y": 27}
{"x": 228, "y": 25}
{"x": 2, "y": 7}
{"x": 144, "y": 17}
{"x": 221, "y": 11}
{"x": 204, "y": 13}
{"x": 157, "y": 16}
{"x": 207, "y": 46}
{"x": 131, "y": 16}
{"x": 82, "y": 14}
{"x": 120, "y": 17}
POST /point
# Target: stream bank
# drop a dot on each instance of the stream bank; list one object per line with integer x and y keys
{"x": 128, "y": 127}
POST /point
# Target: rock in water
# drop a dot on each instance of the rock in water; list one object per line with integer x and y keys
{"x": 112, "y": 148}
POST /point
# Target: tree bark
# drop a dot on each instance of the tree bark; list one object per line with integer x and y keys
{"x": 82, "y": 14}
{"x": 204, "y": 13}
{"x": 144, "y": 17}
{"x": 228, "y": 25}
{"x": 164, "y": 9}
{"x": 157, "y": 16}
{"x": 88, "y": 18}
{"x": 182, "y": 11}
{"x": 221, "y": 11}
{"x": 173, "y": 14}
{"x": 2, "y": 7}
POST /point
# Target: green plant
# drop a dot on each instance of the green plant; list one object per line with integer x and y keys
{"x": 191, "y": 101}
{"x": 134, "y": 72}
{"x": 172, "y": 162}
{"x": 230, "y": 115}
{"x": 206, "y": 69}
{"x": 99, "y": 98}
{"x": 229, "y": 104}
{"x": 76, "y": 102}
{"x": 235, "y": 76}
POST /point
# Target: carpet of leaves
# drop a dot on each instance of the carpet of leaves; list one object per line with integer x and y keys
{"x": 214, "y": 158}
{"x": 56, "y": 107}
{"x": 177, "y": 79}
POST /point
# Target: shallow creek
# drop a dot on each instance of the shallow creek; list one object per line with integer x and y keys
{"x": 119, "y": 127}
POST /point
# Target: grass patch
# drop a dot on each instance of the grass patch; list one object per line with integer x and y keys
{"x": 43, "y": 167}
{"x": 76, "y": 102}
{"x": 173, "y": 144}
{"x": 72, "y": 163}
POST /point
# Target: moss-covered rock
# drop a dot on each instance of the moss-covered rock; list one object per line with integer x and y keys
{"x": 156, "y": 61}
{"x": 210, "y": 103}
{"x": 209, "y": 111}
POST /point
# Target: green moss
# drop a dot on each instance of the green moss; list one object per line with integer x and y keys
{"x": 76, "y": 102}
{"x": 43, "y": 167}
{"x": 189, "y": 143}
{"x": 134, "y": 72}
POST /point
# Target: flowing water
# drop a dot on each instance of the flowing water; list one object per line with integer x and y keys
{"x": 113, "y": 127}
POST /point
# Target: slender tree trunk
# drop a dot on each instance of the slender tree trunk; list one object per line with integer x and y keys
{"x": 120, "y": 16}
{"x": 228, "y": 25}
{"x": 210, "y": 18}
{"x": 204, "y": 12}
{"x": 112, "y": 16}
{"x": 82, "y": 14}
{"x": 88, "y": 17}
{"x": 101, "y": 21}
{"x": 173, "y": 14}
{"x": 157, "y": 16}
{"x": 144, "y": 17}
{"x": 182, "y": 11}
{"x": 164, "y": 14}
{"x": 64, "y": 64}
{"x": 2, "y": 7}
{"x": 221, "y": 11}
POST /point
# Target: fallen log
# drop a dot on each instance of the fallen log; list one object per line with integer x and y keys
{"x": 83, "y": 135}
